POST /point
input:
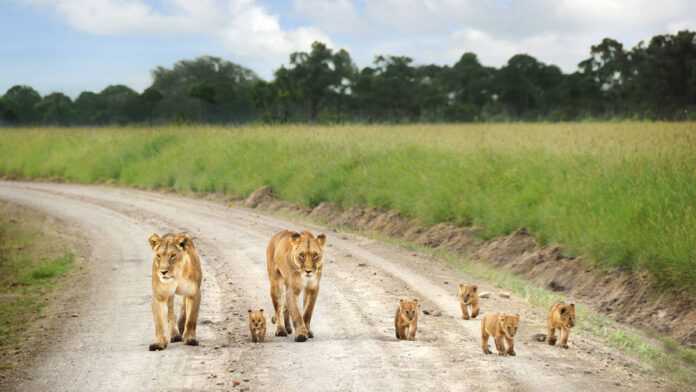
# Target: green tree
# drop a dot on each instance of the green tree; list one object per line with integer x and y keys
{"x": 20, "y": 102}
{"x": 56, "y": 109}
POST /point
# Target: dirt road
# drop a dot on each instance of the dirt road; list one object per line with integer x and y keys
{"x": 105, "y": 348}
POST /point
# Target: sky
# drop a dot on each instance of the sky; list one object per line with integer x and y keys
{"x": 77, "y": 45}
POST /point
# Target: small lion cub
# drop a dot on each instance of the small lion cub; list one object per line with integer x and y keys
{"x": 561, "y": 318}
{"x": 500, "y": 326}
{"x": 468, "y": 300}
{"x": 257, "y": 325}
{"x": 406, "y": 319}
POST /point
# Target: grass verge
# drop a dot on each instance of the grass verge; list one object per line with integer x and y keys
{"x": 32, "y": 261}
{"x": 622, "y": 193}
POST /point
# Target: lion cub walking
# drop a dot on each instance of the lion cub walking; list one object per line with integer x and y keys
{"x": 176, "y": 269}
{"x": 257, "y": 325}
{"x": 562, "y": 318}
{"x": 406, "y": 319}
{"x": 501, "y": 327}
{"x": 468, "y": 300}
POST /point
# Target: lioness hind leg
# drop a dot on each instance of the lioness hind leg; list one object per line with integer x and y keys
{"x": 278, "y": 307}
{"x": 192, "y": 307}
{"x": 310, "y": 299}
{"x": 158, "y": 309}
{"x": 174, "y": 334}
{"x": 182, "y": 317}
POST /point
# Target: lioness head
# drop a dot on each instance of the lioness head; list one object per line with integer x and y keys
{"x": 308, "y": 252}
{"x": 567, "y": 313}
{"x": 508, "y": 324}
{"x": 257, "y": 320}
{"x": 169, "y": 250}
{"x": 409, "y": 309}
{"x": 467, "y": 292}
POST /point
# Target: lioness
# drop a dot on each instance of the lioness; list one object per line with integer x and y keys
{"x": 257, "y": 325}
{"x": 294, "y": 264}
{"x": 176, "y": 269}
{"x": 500, "y": 326}
{"x": 561, "y": 317}
{"x": 406, "y": 319}
{"x": 468, "y": 299}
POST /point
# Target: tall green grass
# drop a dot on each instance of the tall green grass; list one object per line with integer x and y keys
{"x": 622, "y": 193}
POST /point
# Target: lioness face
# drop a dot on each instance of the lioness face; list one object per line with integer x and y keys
{"x": 169, "y": 251}
{"x": 568, "y": 315}
{"x": 308, "y": 253}
{"x": 509, "y": 323}
{"x": 466, "y": 292}
{"x": 409, "y": 308}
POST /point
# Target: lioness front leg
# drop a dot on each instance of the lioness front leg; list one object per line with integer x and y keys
{"x": 310, "y": 299}
{"x": 298, "y": 321}
{"x": 510, "y": 346}
{"x": 158, "y": 315}
{"x": 174, "y": 334}
{"x": 192, "y": 304}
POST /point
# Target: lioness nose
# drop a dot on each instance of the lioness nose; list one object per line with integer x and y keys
{"x": 164, "y": 273}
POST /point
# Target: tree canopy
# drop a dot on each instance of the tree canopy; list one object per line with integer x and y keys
{"x": 653, "y": 80}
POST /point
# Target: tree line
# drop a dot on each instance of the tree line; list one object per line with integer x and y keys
{"x": 654, "y": 80}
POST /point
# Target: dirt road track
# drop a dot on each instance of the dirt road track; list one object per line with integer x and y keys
{"x": 105, "y": 348}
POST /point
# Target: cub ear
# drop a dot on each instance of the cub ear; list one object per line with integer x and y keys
{"x": 474, "y": 288}
{"x": 572, "y": 306}
{"x": 401, "y": 300}
{"x": 415, "y": 300}
{"x": 261, "y": 310}
{"x": 321, "y": 239}
{"x": 183, "y": 241}
{"x": 154, "y": 241}
{"x": 517, "y": 316}
{"x": 564, "y": 310}
{"x": 295, "y": 238}
{"x": 249, "y": 311}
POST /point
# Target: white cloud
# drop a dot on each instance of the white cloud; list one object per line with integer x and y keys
{"x": 248, "y": 30}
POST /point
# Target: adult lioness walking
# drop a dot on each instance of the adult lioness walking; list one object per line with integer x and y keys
{"x": 294, "y": 264}
{"x": 176, "y": 269}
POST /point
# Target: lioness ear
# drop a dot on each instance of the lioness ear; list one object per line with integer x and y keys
{"x": 249, "y": 311}
{"x": 295, "y": 238}
{"x": 321, "y": 239}
{"x": 261, "y": 310}
{"x": 517, "y": 316}
{"x": 154, "y": 241}
{"x": 183, "y": 240}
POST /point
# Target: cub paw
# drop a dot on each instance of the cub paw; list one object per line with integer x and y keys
{"x": 552, "y": 340}
{"x": 512, "y": 353}
{"x": 281, "y": 332}
{"x": 565, "y": 346}
{"x": 175, "y": 339}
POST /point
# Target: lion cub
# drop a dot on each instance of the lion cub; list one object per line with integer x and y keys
{"x": 562, "y": 318}
{"x": 257, "y": 325}
{"x": 468, "y": 300}
{"x": 500, "y": 326}
{"x": 406, "y": 319}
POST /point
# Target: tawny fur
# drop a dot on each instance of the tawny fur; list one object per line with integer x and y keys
{"x": 502, "y": 327}
{"x": 294, "y": 262}
{"x": 406, "y": 319}
{"x": 561, "y": 318}
{"x": 468, "y": 300}
{"x": 257, "y": 325}
{"x": 176, "y": 269}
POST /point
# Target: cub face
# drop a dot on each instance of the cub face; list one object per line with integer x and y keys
{"x": 567, "y": 313}
{"x": 508, "y": 324}
{"x": 257, "y": 321}
{"x": 409, "y": 309}
{"x": 307, "y": 253}
{"x": 467, "y": 292}
{"x": 169, "y": 252}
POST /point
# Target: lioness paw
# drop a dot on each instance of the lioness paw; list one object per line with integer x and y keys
{"x": 175, "y": 339}
{"x": 301, "y": 338}
{"x": 191, "y": 342}
{"x": 310, "y": 335}
{"x": 157, "y": 347}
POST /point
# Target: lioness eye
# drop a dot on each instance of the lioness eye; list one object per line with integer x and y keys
{"x": 301, "y": 256}
{"x": 315, "y": 256}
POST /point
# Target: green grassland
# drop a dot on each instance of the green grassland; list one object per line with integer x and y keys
{"x": 622, "y": 193}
